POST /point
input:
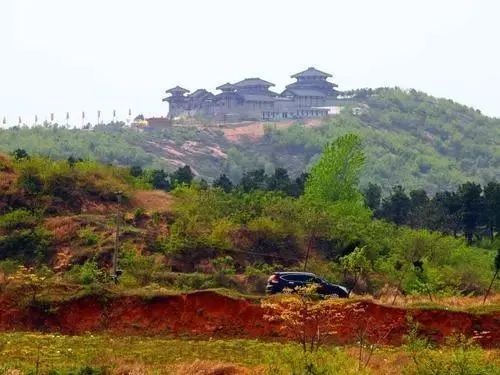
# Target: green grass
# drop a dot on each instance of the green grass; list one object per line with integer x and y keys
{"x": 21, "y": 350}
{"x": 59, "y": 354}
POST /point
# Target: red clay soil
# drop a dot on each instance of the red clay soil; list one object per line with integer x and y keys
{"x": 208, "y": 314}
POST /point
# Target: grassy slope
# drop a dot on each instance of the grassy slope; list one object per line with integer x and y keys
{"x": 410, "y": 138}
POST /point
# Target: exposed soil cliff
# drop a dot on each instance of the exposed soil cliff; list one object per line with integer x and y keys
{"x": 208, "y": 314}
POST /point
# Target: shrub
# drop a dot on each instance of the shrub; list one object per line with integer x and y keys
{"x": 260, "y": 269}
{"x": 30, "y": 181}
{"x": 8, "y": 267}
{"x": 304, "y": 317}
{"x": 129, "y": 281}
{"x": 88, "y": 237}
{"x": 224, "y": 265}
{"x": 26, "y": 245}
{"x": 192, "y": 281}
{"x": 139, "y": 267}
{"x": 258, "y": 275}
{"x": 459, "y": 356}
{"x": 20, "y": 154}
{"x": 136, "y": 171}
{"x": 139, "y": 213}
{"x": 17, "y": 219}
{"x": 156, "y": 217}
{"x": 89, "y": 273}
{"x": 289, "y": 360}
{"x": 57, "y": 178}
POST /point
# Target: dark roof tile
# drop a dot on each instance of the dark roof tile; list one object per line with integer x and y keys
{"x": 177, "y": 89}
{"x": 253, "y": 82}
{"x": 311, "y": 72}
{"x": 225, "y": 86}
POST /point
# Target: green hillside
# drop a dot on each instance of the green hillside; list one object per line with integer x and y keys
{"x": 409, "y": 137}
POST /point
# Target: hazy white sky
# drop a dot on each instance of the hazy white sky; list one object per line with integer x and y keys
{"x": 74, "y": 55}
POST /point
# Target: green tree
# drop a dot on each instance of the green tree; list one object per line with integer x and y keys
{"x": 136, "y": 171}
{"x": 357, "y": 264}
{"x": 397, "y": 206}
{"x": 448, "y": 214}
{"x": 298, "y": 185}
{"x": 159, "y": 179}
{"x": 224, "y": 183}
{"x": 182, "y": 176}
{"x": 279, "y": 181}
{"x": 419, "y": 209}
{"x": 254, "y": 180}
{"x": 373, "y": 196}
{"x": 335, "y": 176}
{"x": 20, "y": 154}
{"x": 472, "y": 205}
{"x": 492, "y": 202}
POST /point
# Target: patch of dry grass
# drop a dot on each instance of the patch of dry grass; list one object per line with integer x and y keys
{"x": 152, "y": 200}
{"x": 465, "y": 303}
{"x": 200, "y": 367}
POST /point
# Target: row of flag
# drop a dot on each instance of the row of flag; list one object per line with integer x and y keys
{"x": 52, "y": 117}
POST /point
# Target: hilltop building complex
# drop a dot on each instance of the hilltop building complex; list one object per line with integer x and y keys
{"x": 312, "y": 95}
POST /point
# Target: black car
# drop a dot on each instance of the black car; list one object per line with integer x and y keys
{"x": 291, "y": 280}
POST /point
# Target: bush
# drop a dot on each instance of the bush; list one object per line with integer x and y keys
{"x": 17, "y": 219}
{"x": 20, "y": 154}
{"x": 39, "y": 175}
{"x": 8, "y": 268}
{"x": 224, "y": 265}
{"x": 258, "y": 275}
{"x": 290, "y": 360}
{"x": 139, "y": 213}
{"x": 89, "y": 273}
{"x": 459, "y": 356}
{"x": 136, "y": 171}
{"x": 88, "y": 237}
{"x": 193, "y": 281}
{"x": 26, "y": 245}
{"x": 138, "y": 267}
{"x": 30, "y": 181}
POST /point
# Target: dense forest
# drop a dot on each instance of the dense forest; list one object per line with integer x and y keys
{"x": 410, "y": 139}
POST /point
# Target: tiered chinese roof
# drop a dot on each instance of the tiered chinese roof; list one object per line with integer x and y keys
{"x": 252, "y": 82}
{"x": 226, "y": 87}
{"x": 200, "y": 93}
{"x": 311, "y": 72}
{"x": 177, "y": 90}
